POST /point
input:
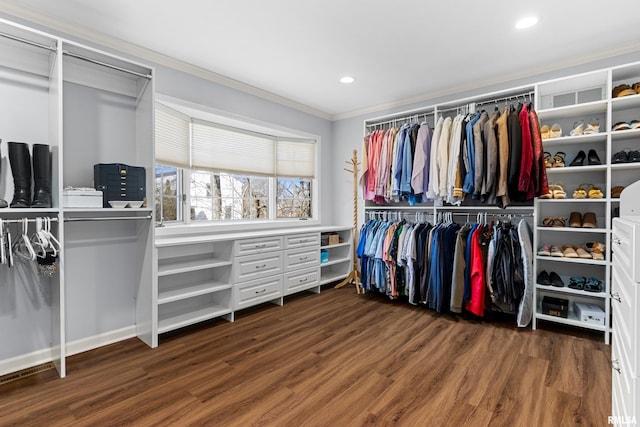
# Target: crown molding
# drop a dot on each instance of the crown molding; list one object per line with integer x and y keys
{"x": 122, "y": 46}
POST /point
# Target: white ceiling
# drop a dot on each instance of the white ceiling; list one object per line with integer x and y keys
{"x": 398, "y": 50}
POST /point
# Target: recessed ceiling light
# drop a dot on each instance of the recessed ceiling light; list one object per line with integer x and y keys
{"x": 527, "y": 22}
{"x": 347, "y": 79}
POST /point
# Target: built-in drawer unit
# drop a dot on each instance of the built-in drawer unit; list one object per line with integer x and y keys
{"x": 258, "y": 245}
{"x": 256, "y": 266}
{"x": 301, "y": 258}
{"x": 257, "y": 291}
{"x": 302, "y": 240}
{"x": 300, "y": 280}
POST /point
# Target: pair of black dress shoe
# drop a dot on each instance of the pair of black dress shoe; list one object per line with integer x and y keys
{"x": 550, "y": 279}
{"x": 592, "y": 158}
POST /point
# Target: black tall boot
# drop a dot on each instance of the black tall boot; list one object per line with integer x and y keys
{"x": 21, "y": 170}
{"x": 3, "y": 202}
{"x": 41, "y": 176}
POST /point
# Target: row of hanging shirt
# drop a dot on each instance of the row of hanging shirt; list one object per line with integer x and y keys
{"x": 496, "y": 158}
{"x": 448, "y": 267}
{"x": 19, "y": 244}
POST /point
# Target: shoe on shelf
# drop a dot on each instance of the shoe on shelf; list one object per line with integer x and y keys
{"x": 575, "y": 220}
{"x": 555, "y": 251}
{"x": 582, "y": 253}
{"x": 616, "y": 191}
{"x": 592, "y": 127}
{"x": 635, "y": 124}
{"x": 621, "y": 126}
{"x": 593, "y": 285}
{"x": 543, "y": 278}
{"x": 636, "y": 87}
{"x": 589, "y": 220}
{"x": 579, "y": 159}
{"x": 544, "y": 131}
{"x": 633, "y": 156}
{"x": 620, "y": 157}
{"x": 595, "y": 193}
{"x": 556, "y": 280}
{"x": 622, "y": 90}
{"x": 558, "y": 160}
{"x": 544, "y": 250}
{"x": 593, "y": 158}
{"x": 555, "y": 131}
{"x": 578, "y": 129}
{"x": 547, "y": 160}
{"x": 569, "y": 252}
{"x": 596, "y": 249}
{"x": 577, "y": 282}
{"x": 557, "y": 191}
{"x": 581, "y": 192}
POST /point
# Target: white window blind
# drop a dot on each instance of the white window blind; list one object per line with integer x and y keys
{"x": 172, "y": 137}
{"x": 295, "y": 158}
{"x": 220, "y": 148}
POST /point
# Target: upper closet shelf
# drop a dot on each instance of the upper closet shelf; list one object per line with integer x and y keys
{"x": 569, "y": 111}
{"x": 578, "y": 139}
{"x": 625, "y": 102}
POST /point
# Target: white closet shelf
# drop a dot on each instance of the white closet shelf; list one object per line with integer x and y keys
{"x": 623, "y": 135}
{"x": 168, "y": 267}
{"x": 29, "y": 210}
{"x": 334, "y": 261}
{"x": 570, "y": 200}
{"x": 572, "y": 320}
{"x": 566, "y": 290}
{"x": 106, "y": 210}
{"x": 574, "y": 229}
{"x": 337, "y": 245}
{"x": 573, "y": 110}
{"x": 578, "y": 139}
{"x": 625, "y": 102}
{"x": 589, "y": 261}
{"x": 178, "y": 320}
{"x": 181, "y": 292}
{"x": 575, "y": 169}
{"x": 328, "y": 277}
{"x": 625, "y": 166}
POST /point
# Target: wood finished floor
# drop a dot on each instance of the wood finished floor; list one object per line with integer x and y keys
{"x": 333, "y": 359}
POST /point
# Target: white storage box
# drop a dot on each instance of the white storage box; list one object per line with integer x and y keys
{"x": 82, "y": 198}
{"x": 589, "y": 313}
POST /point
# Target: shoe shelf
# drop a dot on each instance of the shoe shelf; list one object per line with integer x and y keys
{"x": 589, "y": 261}
{"x": 178, "y": 292}
{"x": 574, "y": 169}
{"x": 573, "y": 230}
{"x": 571, "y": 320}
{"x": 568, "y": 290}
{"x": 586, "y": 109}
{"x": 624, "y": 135}
{"x": 625, "y": 102}
{"x": 600, "y": 137}
{"x": 571, "y": 200}
{"x": 625, "y": 166}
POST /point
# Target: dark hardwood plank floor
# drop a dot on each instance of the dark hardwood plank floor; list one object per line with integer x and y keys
{"x": 333, "y": 359}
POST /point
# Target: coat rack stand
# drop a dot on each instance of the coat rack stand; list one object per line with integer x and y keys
{"x": 354, "y": 275}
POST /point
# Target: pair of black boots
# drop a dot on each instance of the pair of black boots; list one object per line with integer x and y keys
{"x": 20, "y": 160}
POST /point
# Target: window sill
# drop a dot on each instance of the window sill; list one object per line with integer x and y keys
{"x": 195, "y": 228}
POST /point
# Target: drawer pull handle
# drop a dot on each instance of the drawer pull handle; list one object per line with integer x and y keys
{"x": 261, "y": 292}
{"x": 615, "y": 365}
{"x": 306, "y": 279}
{"x": 261, "y": 246}
{"x": 617, "y": 241}
{"x": 261, "y": 266}
{"x": 303, "y": 258}
{"x": 616, "y": 297}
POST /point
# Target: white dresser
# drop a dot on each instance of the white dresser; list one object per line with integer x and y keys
{"x": 625, "y": 301}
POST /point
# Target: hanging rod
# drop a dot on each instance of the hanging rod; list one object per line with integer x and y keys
{"x": 105, "y": 64}
{"x": 400, "y": 119}
{"x": 26, "y": 41}
{"x": 19, "y": 221}
{"x": 529, "y": 95}
{"x": 113, "y": 218}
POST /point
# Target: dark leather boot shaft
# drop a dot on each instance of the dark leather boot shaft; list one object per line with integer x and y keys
{"x": 20, "y": 161}
{"x": 41, "y": 176}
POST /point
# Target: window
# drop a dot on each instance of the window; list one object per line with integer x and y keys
{"x": 221, "y": 173}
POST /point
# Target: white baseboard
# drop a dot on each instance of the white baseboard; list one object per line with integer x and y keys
{"x": 39, "y": 357}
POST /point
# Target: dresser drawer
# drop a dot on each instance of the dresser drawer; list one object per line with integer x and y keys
{"x": 301, "y": 280}
{"x": 257, "y": 246}
{"x": 624, "y": 241}
{"x": 256, "y": 292}
{"x": 256, "y": 266}
{"x": 301, "y": 258}
{"x": 623, "y": 384}
{"x": 301, "y": 240}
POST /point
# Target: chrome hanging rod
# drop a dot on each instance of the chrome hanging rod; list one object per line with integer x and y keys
{"x": 408, "y": 117}
{"x": 112, "y": 218}
{"x": 19, "y": 221}
{"x": 105, "y": 64}
{"x": 508, "y": 98}
{"x": 29, "y": 42}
